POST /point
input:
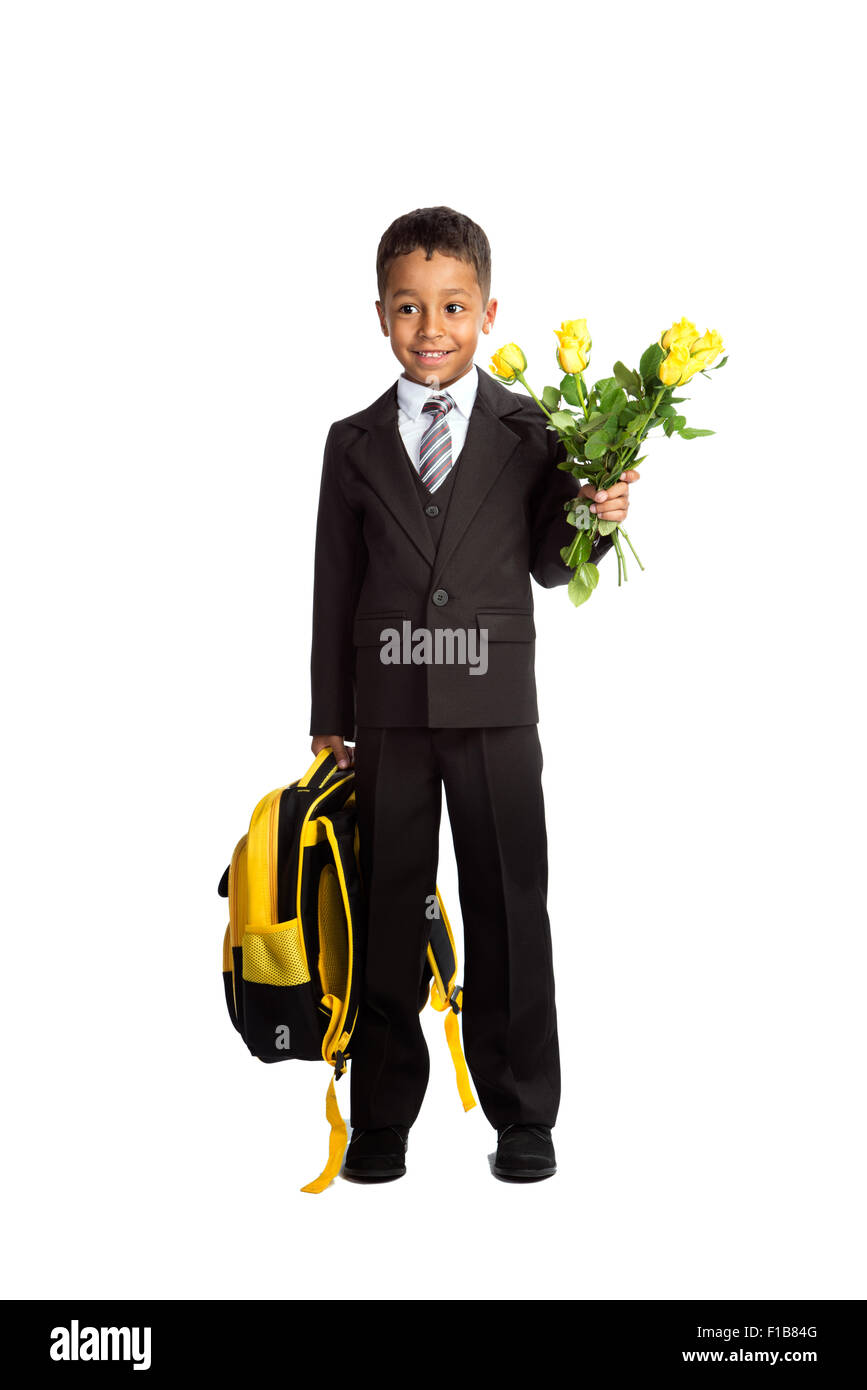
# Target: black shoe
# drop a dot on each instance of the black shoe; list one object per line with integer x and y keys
{"x": 375, "y": 1155}
{"x": 525, "y": 1151}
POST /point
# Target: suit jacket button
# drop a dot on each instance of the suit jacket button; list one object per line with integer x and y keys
{"x": 432, "y": 511}
{"x": 440, "y": 597}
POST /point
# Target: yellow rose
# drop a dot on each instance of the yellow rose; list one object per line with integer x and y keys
{"x": 576, "y": 328}
{"x": 706, "y": 348}
{"x": 688, "y": 352}
{"x": 674, "y": 369}
{"x": 570, "y": 355}
{"x": 573, "y": 354}
{"x": 678, "y": 333}
{"x": 507, "y": 362}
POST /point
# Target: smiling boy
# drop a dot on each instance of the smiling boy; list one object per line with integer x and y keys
{"x": 437, "y": 504}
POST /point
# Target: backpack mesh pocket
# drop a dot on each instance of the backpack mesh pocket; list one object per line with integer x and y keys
{"x": 276, "y": 956}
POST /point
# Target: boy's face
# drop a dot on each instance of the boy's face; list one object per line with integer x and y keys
{"x": 433, "y": 314}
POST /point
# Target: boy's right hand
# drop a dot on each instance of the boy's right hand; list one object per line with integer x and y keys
{"x": 345, "y": 756}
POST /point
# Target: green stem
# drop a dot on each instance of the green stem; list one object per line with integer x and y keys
{"x": 641, "y": 438}
{"x": 524, "y": 382}
{"x": 621, "y": 559}
{"x": 631, "y": 547}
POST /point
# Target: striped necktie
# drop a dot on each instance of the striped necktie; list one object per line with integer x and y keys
{"x": 435, "y": 452}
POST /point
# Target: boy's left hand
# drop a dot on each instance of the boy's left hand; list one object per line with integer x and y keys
{"x": 612, "y": 503}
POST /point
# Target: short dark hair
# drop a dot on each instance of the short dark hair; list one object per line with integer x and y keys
{"x": 435, "y": 229}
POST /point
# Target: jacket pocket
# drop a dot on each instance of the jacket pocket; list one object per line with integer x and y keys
{"x": 367, "y": 627}
{"x": 507, "y": 624}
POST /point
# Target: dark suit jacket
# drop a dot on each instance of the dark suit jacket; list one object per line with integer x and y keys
{"x": 376, "y": 565}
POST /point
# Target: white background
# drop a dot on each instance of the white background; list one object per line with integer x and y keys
{"x": 193, "y": 196}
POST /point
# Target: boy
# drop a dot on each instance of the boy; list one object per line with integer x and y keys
{"x": 437, "y": 503}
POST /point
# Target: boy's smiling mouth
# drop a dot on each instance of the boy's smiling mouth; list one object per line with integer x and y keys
{"x": 431, "y": 355}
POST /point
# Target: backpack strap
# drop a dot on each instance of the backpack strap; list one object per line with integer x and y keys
{"x": 336, "y": 1142}
{"x": 343, "y": 1011}
{"x": 446, "y": 995}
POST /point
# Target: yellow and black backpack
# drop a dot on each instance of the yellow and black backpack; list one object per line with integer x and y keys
{"x": 293, "y": 951}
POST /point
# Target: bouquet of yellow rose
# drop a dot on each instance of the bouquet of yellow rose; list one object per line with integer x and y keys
{"x": 610, "y": 421}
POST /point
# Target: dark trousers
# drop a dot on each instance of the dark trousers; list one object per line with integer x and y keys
{"x": 492, "y": 779}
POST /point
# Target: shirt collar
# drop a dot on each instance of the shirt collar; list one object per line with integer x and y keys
{"x": 411, "y": 395}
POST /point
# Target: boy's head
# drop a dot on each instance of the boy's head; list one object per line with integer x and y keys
{"x": 433, "y": 273}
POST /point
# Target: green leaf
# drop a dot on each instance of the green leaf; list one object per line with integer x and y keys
{"x": 550, "y": 398}
{"x": 595, "y": 422}
{"x": 583, "y": 548}
{"x": 650, "y": 361}
{"x": 569, "y": 391}
{"x": 629, "y": 380}
{"x": 690, "y": 433}
{"x": 637, "y": 425}
{"x": 596, "y": 445}
{"x": 589, "y": 575}
{"x": 578, "y": 591}
{"x": 613, "y": 397}
{"x": 563, "y": 419}
{"x": 606, "y": 527}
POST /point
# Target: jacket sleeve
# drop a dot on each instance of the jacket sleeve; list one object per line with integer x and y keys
{"x": 339, "y": 566}
{"x": 550, "y": 529}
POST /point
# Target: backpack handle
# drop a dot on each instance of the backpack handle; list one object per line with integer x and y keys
{"x": 320, "y": 771}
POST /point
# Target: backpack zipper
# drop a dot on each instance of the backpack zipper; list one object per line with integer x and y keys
{"x": 273, "y": 833}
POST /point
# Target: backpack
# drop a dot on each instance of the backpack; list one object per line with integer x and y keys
{"x": 294, "y": 947}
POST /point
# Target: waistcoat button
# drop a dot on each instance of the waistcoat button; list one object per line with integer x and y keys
{"x": 440, "y": 597}
{"x": 432, "y": 511}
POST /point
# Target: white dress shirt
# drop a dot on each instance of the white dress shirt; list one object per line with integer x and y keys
{"x": 411, "y": 396}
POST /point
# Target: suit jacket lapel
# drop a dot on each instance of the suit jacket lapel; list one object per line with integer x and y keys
{"x": 381, "y": 457}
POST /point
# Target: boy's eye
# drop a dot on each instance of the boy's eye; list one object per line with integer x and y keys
{"x": 412, "y": 308}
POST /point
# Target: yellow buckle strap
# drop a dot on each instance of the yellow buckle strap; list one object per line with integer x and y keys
{"x": 336, "y": 1143}
{"x": 335, "y": 1004}
{"x": 451, "y": 1007}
